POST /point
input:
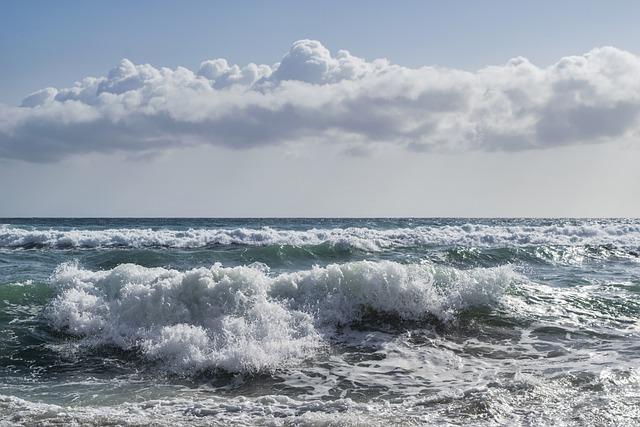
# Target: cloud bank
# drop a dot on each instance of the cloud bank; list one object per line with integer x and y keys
{"x": 314, "y": 96}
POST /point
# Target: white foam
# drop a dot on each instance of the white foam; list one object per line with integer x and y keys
{"x": 587, "y": 233}
{"x": 265, "y": 410}
{"x": 608, "y": 398}
{"x": 243, "y": 319}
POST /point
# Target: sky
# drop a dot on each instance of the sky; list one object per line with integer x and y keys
{"x": 217, "y": 109}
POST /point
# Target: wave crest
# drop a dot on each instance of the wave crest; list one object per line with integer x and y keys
{"x": 244, "y": 319}
{"x": 367, "y": 239}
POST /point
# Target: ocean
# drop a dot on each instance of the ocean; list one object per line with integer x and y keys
{"x": 319, "y": 322}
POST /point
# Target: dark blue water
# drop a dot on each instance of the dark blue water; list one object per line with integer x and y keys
{"x": 319, "y": 321}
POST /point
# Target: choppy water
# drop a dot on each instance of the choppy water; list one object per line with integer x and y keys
{"x": 321, "y": 322}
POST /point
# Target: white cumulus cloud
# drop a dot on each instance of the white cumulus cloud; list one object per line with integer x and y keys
{"x": 314, "y": 96}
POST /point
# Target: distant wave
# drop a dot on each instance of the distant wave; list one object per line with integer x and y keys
{"x": 244, "y": 319}
{"x": 366, "y": 239}
{"x": 14, "y": 237}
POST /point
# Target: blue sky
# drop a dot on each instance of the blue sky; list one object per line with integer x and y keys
{"x": 261, "y": 113}
{"x": 44, "y": 43}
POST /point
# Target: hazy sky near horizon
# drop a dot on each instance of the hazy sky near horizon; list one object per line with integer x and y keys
{"x": 319, "y": 108}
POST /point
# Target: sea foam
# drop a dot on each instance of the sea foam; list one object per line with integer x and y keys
{"x": 362, "y": 238}
{"x": 245, "y": 319}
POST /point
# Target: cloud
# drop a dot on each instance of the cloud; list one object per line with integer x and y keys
{"x": 314, "y": 96}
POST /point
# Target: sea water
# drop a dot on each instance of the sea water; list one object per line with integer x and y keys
{"x": 319, "y": 321}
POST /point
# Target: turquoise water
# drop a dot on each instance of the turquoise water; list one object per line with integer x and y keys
{"x": 319, "y": 321}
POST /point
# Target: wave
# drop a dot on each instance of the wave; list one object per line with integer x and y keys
{"x": 244, "y": 319}
{"x": 15, "y": 237}
{"x": 367, "y": 239}
{"x": 531, "y": 255}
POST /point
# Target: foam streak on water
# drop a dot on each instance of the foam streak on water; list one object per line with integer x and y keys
{"x": 319, "y": 322}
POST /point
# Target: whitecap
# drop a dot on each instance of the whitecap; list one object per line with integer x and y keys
{"x": 244, "y": 319}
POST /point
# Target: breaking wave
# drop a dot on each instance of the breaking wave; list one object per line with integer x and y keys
{"x": 483, "y": 235}
{"x": 245, "y": 319}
